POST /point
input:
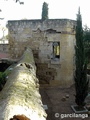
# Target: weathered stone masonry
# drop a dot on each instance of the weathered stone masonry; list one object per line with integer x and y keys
{"x": 52, "y": 42}
{"x": 20, "y": 95}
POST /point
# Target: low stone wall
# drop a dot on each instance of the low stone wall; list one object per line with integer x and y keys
{"x": 20, "y": 95}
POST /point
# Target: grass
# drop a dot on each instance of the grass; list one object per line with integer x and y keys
{"x": 3, "y": 76}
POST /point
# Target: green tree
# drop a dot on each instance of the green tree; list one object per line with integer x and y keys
{"x": 81, "y": 82}
{"x": 45, "y": 11}
{"x": 86, "y": 35}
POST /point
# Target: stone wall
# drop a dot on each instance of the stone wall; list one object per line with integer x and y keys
{"x": 20, "y": 95}
{"x": 4, "y": 47}
{"x": 40, "y": 36}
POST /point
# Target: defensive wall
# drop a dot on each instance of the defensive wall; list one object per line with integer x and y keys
{"x": 20, "y": 95}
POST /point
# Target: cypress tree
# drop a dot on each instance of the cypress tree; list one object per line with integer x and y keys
{"x": 87, "y": 41}
{"x": 45, "y": 11}
{"x": 81, "y": 82}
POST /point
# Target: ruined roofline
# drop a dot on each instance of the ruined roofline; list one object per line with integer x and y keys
{"x": 42, "y": 24}
{"x": 40, "y": 20}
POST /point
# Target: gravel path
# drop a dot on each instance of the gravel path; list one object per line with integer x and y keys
{"x": 59, "y": 101}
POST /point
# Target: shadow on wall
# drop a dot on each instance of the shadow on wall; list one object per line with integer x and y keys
{"x": 19, "y": 117}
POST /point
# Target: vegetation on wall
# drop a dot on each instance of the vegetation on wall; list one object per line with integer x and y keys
{"x": 4, "y": 75}
{"x": 45, "y": 11}
{"x": 81, "y": 82}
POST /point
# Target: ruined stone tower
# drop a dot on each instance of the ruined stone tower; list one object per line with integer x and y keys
{"x": 52, "y": 42}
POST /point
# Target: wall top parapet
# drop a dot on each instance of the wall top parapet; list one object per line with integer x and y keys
{"x": 40, "y": 20}
{"x": 42, "y": 24}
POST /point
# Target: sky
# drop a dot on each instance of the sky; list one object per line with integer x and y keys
{"x": 32, "y": 9}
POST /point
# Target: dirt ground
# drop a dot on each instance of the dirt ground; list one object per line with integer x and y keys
{"x": 59, "y": 102}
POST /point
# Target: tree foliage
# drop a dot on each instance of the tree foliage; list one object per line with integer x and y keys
{"x": 17, "y": 1}
{"x": 45, "y": 11}
{"x": 81, "y": 82}
{"x": 86, "y": 36}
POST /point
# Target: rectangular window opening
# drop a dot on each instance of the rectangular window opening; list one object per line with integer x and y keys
{"x": 56, "y": 50}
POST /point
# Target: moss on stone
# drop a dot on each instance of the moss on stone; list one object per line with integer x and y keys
{"x": 20, "y": 90}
